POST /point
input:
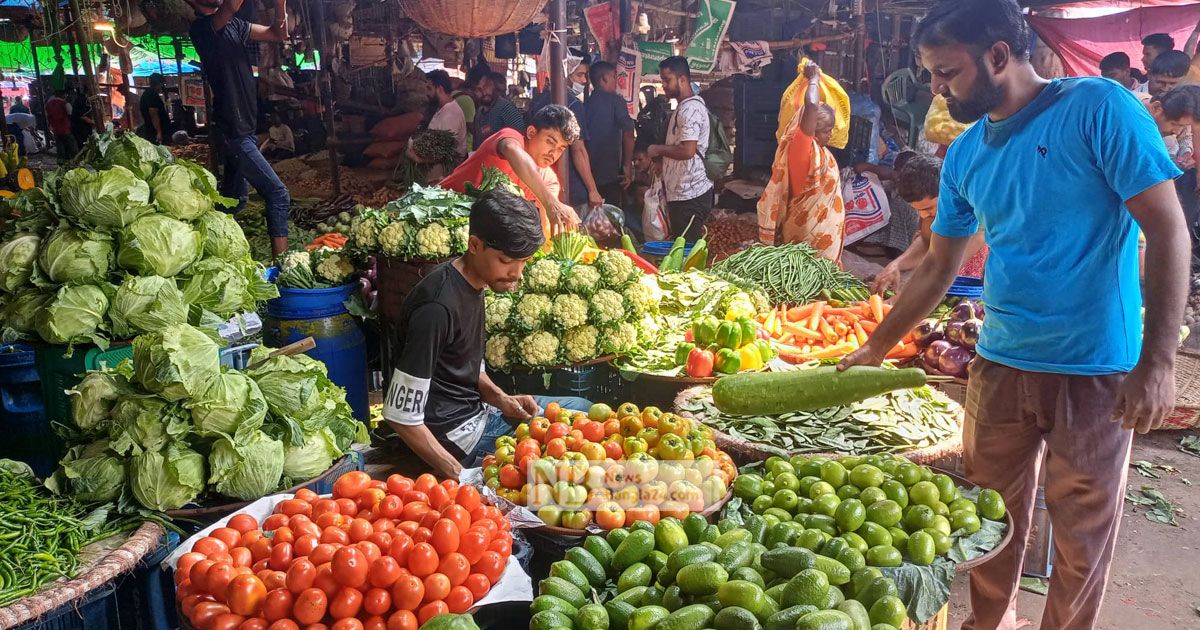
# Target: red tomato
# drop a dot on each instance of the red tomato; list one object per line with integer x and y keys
{"x": 278, "y": 604}
{"x": 456, "y": 567}
{"x": 445, "y": 536}
{"x": 381, "y": 539}
{"x": 218, "y": 579}
{"x": 415, "y": 496}
{"x": 384, "y": 524}
{"x": 460, "y": 599}
{"x": 408, "y": 527}
{"x": 335, "y": 536}
{"x": 227, "y": 535}
{"x": 430, "y": 519}
{"x": 306, "y": 495}
{"x": 325, "y": 581}
{"x": 347, "y": 507}
{"x": 305, "y": 545}
{"x": 302, "y": 525}
{"x": 423, "y": 559}
{"x": 360, "y": 529}
{"x": 261, "y": 549}
{"x": 310, "y": 606}
{"x": 346, "y": 603}
{"x": 274, "y": 580}
{"x": 316, "y": 626}
{"x": 274, "y": 522}
{"x": 438, "y": 497}
{"x": 384, "y": 572}
{"x": 205, "y": 613}
{"x": 256, "y": 623}
{"x": 424, "y": 482}
{"x": 241, "y": 557}
{"x": 402, "y": 620}
{"x": 374, "y": 622}
{"x": 401, "y": 543}
{"x": 468, "y": 497}
{"x": 225, "y": 621}
{"x": 473, "y": 543}
{"x": 370, "y": 499}
{"x": 198, "y": 573}
{"x": 478, "y": 584}
{"x": 370, "y": 550}
{"x": 351, "y": 484}
{"x": 259, "y": 566}
{"x": 399, "y": 484}
{"x": 488, "y": 512}
{"x": 437, "y": 587}
{"x": 377, "y": 601}
{"x": 300, "y": 575}
{"x": 408, "y": 592}
{"x": 283, "y": 535}
{"x": 459, "y": 515}
{"x": 281, "y": 557}
{"x": 209, "y": 545}
{"x": 350, "y": 567}
{"x": 501, "y": 545}
{"x": 491, "y": 565}
{"x": 431, "y": 610}
{"x": 324, "y": 506}
{"x": 245, "y": 595}
{"x": 423, "y": 534}
{"x": 184, "y": 565}
{"x": 328, "y": 519}
{"x": 188, "y": 603}
{"x": 347, "y": 624}
{"x": 322, "y": 553}
{"x": 249, "y": 538}
{"x": 284, "y": 624}
{"x": 391, "y": 506}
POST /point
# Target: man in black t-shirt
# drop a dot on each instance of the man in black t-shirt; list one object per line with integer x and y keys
{"x": 156, "y": 125}
{"x": 220, "y": 37}
{"x": 440, "y": 399}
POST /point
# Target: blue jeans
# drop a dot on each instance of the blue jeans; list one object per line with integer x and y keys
{"x": 245, "y": 164}
{"x": 497, "y": 426}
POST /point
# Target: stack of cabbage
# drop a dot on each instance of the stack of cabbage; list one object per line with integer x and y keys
{"x": 570, "y": 312}
{"x": 425, "y": 224}
{"x": 128, "y": 245}
{"x": 162, "y": 431}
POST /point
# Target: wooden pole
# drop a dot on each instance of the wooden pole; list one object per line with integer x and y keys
{"x": 324, "y": 82}
{"x": 558, "y": 83}
{"x": 37, "y": 73}
{"x": 98, "y": 114}
{"x": 860, "y": 44}
{"x": 178, "y": 71}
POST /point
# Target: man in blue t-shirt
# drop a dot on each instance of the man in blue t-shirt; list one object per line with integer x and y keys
{"x": 1059, "y": 174}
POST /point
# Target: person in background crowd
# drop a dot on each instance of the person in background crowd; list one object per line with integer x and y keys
{"x": 1176, "y": 113}
{"x": 1154, "y": 45}
{"x": 18, "y": 106}
{"x": 440, "y": 400}
{"x": 496, "y": 110}
{"x": 611, "y": 127}
{"x": 1045, "y": 381}
{"x": 22, "y": 126}
{"x": 82, "y": 123}
{"x": 583, "y": 191}
{"x": 528, "y": 161}
{"x": 280, "y": 143}
{"x": 689, "y": 190}
{"x": 220, "y": 37}
{"x": 465, "y": 97}
{"x": 156, "y": 125}
{"x": 130, "y": 117}
{"x": 1167, "y": 71}
{"x": 1116, "y": 67}
{"x": 449, "y": 115}
{"x": 917, "y": 182}
{"x": 58, "y": 119}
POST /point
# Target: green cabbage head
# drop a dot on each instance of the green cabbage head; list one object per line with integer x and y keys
{"x": 168, "y": 479}
{"x": 130, "y": 151}
{"x": 146, "y": 423}
{"x": 110, "y": 199}
{"x": 222, "y": 287}
{"x": 145, "y": 304}
{"x": 176, "y": 362}
{"x": 93, "y": 398}
{"x": 73, "y": 255}
{"x": 18, "y": 257}
{"x": 74, "y": 314}
{"x": 314, "y": 457}
{"x": 20, "y": 312}
{"x": 297, "y": 389}
{"x": 223, "y": 237}
{"x": 157, "y": 245}
{"x": 248, "y": 468}
{"x": 93, "y": 472}
{"x": 185, "y": 190}
{"x": 231, "y": 405}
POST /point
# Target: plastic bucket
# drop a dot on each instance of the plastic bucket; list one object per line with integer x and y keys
{"x": 305, "y": 303}
{"x": 655, "y": 251}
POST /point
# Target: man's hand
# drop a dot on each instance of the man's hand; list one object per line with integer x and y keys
{"x": 627, "y": 176}
{"x": 1145, "y": 397}
{"x": 866, "y": 355}
{"x": 518, "y": 407}
{"x": 594, "y": 199}
{"x": 887, "y": 278}
{"x": 279, "y": 245}
{"x": 812, "y": 71}
{"x": 562, "y": 217}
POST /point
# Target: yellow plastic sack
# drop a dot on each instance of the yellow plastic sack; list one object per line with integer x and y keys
{"x": 831, "y": 93}
{"x": 940, "y": 128}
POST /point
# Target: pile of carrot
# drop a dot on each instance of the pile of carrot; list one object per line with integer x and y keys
{"x": 334, "y": 240}
{"x": 820, "y": 331}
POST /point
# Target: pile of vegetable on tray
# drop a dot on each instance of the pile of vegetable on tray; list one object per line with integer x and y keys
{"x": 428, "y": 223}
{"x": 174, "y": 428}
{"x": 128, "y": 244}
{"x": 823, "y": 330}
{"x": 947, "y": 340}
{"x": 791, "y": 274}
{"x": 321, "y": 267}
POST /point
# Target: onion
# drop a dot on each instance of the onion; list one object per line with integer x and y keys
{"x": 934, "y": 351}
{"x": 962, "y": 311}
{"x": 954, "y": 332}
{"x": 955, "y": 360}
{"x": 970, "y": 330}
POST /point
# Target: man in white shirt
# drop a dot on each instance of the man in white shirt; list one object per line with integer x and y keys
{"x": 280, "y": 142}
{"x": 1116, "y": 66}
{"x": 449, "y": 116}
{"x": 688, "y": 188}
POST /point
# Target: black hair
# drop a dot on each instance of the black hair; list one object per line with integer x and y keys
{"x": 902, "y": 158}
{"x": 498, "y": 79}
{"x": 1173, "y": 63}
{"x": 476, "y": 74}
{"x": 677, "y": 65}
{"x": 557, "y": 117}
{"x": 919, "y": 178}
{"x": 1181, "y": 101}
{"x": 1114, "y": 61}
{"x": 976, "y": 23}
{"x": 598, "y": 70}
{"x": 1161, "y": 41}
{"x": 440, "y": 78}
{"x": 507, "y": 222}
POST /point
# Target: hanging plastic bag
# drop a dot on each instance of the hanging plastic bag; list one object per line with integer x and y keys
{"x": 605, "y": 223}
{"x": 655, "y": 222}
{"x": 831, "y": 93}
{"x": 940, "y": 127}
{"x": 866, "y": 204}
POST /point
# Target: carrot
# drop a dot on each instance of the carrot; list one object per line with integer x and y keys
{"x": 831, "y": 352}
{"x": 868, "y": 325}
{"x": 909, "y": 338}
{"x": 840, "y": 328}
{"x": 826, "y": 330}
{"x": 786, "y": 338}
{"x": 797, "y": 313}
{"x": 841, "y": 312}
{"x": 816, "y": 315}
{"x": 902, "y": 351}
{"x": 799, "y": 331}
{"x": 859, "y": 333}
{"x": 876, "y": 303}
{"x": 887, "y": 308}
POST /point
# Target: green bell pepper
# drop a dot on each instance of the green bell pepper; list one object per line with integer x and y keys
{"x": 749, "y": 330}
{"x": 704, "y": 330}
{"x": 728, "y": 361}
{"x": 682, "y": 352}
{"x": 764, "y": 349}
{"x": 729, "y": 335}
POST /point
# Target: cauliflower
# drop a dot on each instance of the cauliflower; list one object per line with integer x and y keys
{"x": 498, "y": 351}
{"x": 496, "y": 312}
{"x": 581, "y": 279}
{"x": 334, "y": 267}
{"x": 364, "y": 231}
{"x": 291, "y": 260}
{"x": 607, "y": 307}
{"x": 621, "y": 339}
{"x": 539, "y": 349}
{"x": 433, "y": 241}
{"x": 460, "y": 234}
{"x": 393, "y": 238}
{"x": 615, "y": 268}
{"x": 642, "y": 296}
{"x": 581, "y": 343}
{"x": 542, "y": 276}
{"x": 569, "y": 311}
{"x": 532, "y": 309}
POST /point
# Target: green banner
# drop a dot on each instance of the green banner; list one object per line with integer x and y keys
{"x": 652, "y": 53}
{"x": 710, "y": 29}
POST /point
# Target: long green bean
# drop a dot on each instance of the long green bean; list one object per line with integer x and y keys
{"x": 789, "y": 274}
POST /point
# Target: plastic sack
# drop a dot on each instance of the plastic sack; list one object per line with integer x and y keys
{"x": 866, "y": 205}
{"x": 940, "y": 128}
{"x": 604, "y": 223}
{"x": 831, "y": 94}
{"x": 655, "y": 221}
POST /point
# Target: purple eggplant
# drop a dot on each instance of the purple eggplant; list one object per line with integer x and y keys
{"x": 978, "y": 310}
{"x": 963, "y": 311}
{"x": 934, "y": 351}
{"x": 954, "y": 332}
{"x": 928, "y": 332}
{"x": 954, "y": 361}
{"x": 970, "y": 330}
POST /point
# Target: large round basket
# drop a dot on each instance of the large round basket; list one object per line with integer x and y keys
{"x": 583, "y": 533}
{"x": 658, "y": 390}
{"x": 473, "y": 18}
{"x": 320, "y": 484}
{"x": 1186, "y": 414}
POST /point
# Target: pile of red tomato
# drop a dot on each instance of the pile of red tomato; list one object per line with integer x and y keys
{"x": 378, "y": 555}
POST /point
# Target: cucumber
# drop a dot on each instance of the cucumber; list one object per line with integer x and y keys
{"x": 550, "y": 602}
{"x": 694, "y": 617}
{"x": 563, "y": 590}
{"x": 600, "y": 550}
{"x": 550, "y": 620}
{"x": 636, "y": 546}
{"x": 589, "y": 565}
{"x": 776, "y": 393}
{"x": 571, "y": 573}
{"x": 618, "y": 614}
{"x": 736, "y": 556}
{"x": 786, "y": 619}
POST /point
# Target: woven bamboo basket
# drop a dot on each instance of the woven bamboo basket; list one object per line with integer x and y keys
{"x": 473, "y": 18}
{"x": 938, "y": 622}
{"x": 1187, "y": 392}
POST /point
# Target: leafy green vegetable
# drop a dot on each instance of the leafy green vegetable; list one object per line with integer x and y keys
{"x": 168, "y": 479}
{"x": 926, "y": 589}
{"x": 312, "y": 458}
{"x": 110, "y": 199}
{"x": 18, "y": 259}
{"x": 20, "y": 313}
{"x": 93, "y": 472}
{"x": 226, "y": 288}
{"x": 185, "y": 190}
{"x": 127, "y": 150}
{"x": 246, "y": 469}
{"x": 146, "y": 423}
{"x": 1159, "y": 508}
{"x": 74, "y": 314}
{"x": 74, "y": 255}
{"x": 177, "y": 362}
{"x": 1190, "y": 444}
{"x": 145, "y": 304}
{"x": 231, "y": 405}
{"x": 223, "y": 237}
{"x": 298, "y": 389}
{"x": 93, "y": 398}
{"x": 157, "y": 245}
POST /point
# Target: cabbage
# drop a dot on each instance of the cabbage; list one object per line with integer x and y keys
{"x": 109, "y": 199}
{"x": 18, "y": 257}
{"x": 223, "y": 237}
{"x": 20, "y": 313}
{"x": 185, "y": 190}
{"x": 93, "y": 472}
{"x": 247, "y": 469}
{"x": 157, "y": 245}
{"x": 93, "y": 398}
{"x": 345, "y": 429}
{"x": 177, "y": 362}
{"x": 146, "y": 423}
{"x": 221, "y": 287}
{"x": 145, "y": 304}
{"x": 232, "y": 405}
{"x": 74, "y": 314}
{"x": 127, "y": 150}
{"x": 301, "y": 463}
{"x": 298, "y": 390}
{"x": 167, "y": 480}
{"x": 72, "y": 255}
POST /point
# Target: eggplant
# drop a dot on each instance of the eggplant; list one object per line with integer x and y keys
{"x": 927, "y": 332}
{"x": 969, "y": 332}
{"x": 963, "y": 311}
{"x": 954, "y": 332}
{"x": 978, "y": 310}
{"x": 955, "y": 360}
{"x": 364, "y": 288}
{"x": 934, "y": 351}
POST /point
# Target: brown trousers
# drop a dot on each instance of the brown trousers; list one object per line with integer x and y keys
{"x": 1013, "y": 417}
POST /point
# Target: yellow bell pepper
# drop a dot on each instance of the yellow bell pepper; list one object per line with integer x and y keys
{"x": 751, "y": 358}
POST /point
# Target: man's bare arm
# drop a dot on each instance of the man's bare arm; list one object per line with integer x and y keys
{"x": 277, "y": 31}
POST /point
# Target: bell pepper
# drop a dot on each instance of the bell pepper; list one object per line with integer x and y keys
{"x": 669, "y": 423}
{"x": 628, "y": 409}
{"x": 650, "y": 436}
{"x": 749, "y": 330}
{"x": 696, "y": 443}
{"x": 682, "y": 352}
{"x": 751, "y": 360}
{"x": 630, "y": 425}
{"x": 671, "y": 447}
{"x": 705, "y": 330}
{"x": 765, "y": 350}
{"x": 729, "y": 335}
{"x": 728, "y": 361}
{"x": 633, "y": 445}
{"x": 700, "y": 363}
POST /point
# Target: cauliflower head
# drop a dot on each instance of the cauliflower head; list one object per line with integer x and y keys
{"x": 642, "y": 296}
{"x": 542, "y": 276}
{"x": 433, "y": 241}
{"x": 460, "y": 234}
{"x": 615, "y": 268}
{"x": 334, "y": 267}
{"x": 393, "y": 239}
{"x": 531, "y": 311}
{"x": 621, "y": 339}
{"x": 498, "y": 351}
{"x": 581, "y": 279}
{"x": 496, "y": 312}
{"x": 607, "y": 307}
{"x": 569, "y": 311}
{"x": 539, "y": 349}
{"x": 581, "y": 343}
{"x": 292, "y": 260}
{"x": 364, "y": 231}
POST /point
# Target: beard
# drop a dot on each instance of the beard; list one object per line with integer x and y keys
{"x": 984, "y": 97}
